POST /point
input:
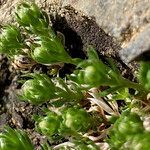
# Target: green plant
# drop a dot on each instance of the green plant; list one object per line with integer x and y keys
{"x": 29, "y": 15}
{"x": 127, "y": 133}
{"x": 77, "y": 119}
{"x": 11, "y": 40}
{"x": 140, "y": 142}
{"x": 38, "y": 90}
{"x": 83, "y": 144}
{"x": 46, "y": 48}
{"x": 95, "y": 73}
{"x": 67, "y": 122}
{"x": 14, "y": 140}
{"x": 70, "y": 99}
{"x": 49, "y": 125}
{"x": 144, "y": 75}
{"x": 41, "y": 88}
{"x": 49, "y": 48}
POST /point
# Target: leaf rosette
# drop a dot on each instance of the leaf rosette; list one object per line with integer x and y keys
{"x": 38, "y": 90}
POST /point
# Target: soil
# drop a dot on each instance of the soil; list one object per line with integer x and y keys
{"x": 79, "y": 31}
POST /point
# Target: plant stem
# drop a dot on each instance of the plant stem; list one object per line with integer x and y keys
{"x": 137, "y": 86}
{"x": 74, "y": 61}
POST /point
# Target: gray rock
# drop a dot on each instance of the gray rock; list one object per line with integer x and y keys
{"x": 126, "y": 20}
{"x": 138, "y": 48}
{"x": 115, "y": 17}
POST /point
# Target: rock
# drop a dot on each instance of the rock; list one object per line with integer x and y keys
{"x": 138, "y": 48}
{"x": 115, "y": 17}
{"x": 127, "y": 21}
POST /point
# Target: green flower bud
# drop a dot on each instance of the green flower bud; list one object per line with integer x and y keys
{"x": 130, "y": 125}
{"x": 49, "y": 125}
{"x": 28, "y": 14}
{"x": 10, "y": 40}
{"x": 94, "y": 72}
{"x": 77, "y": 119}
{"x": 38, "y": 90}
{"x": 15, "y": 140}
{"x": 140, "y": 142}
{"x": 41, "y": 55}
{"x": 51, "y": 51}
{"x": 125, "y": 128}
{"x": 91, "y": 76}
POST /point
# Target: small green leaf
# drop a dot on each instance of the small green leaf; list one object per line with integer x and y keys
{"x": 92, "y": 54}
{"x": 14, "y": 140}
{"x": 144, "y": 75}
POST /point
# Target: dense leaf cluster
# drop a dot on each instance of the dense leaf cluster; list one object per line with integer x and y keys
{"x": 128, "y": 133}
{"x": 66, "y": 115}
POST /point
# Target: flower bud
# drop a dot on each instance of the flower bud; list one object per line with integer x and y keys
{"x": 38, "y": 90}
{"x": 125, "y": 128}
{"x": 28, "y": 14}
{"x": 41, "y": 55}
{"x": 140, "y": 142}
{"x": 10, "y": 40}
{"x": 129, "y": 124}
{"x": 92, "y": 76}
{"x": 51, "y": 51}
{"x": 49, "y": 125}
{"x": 77, "y": 119}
